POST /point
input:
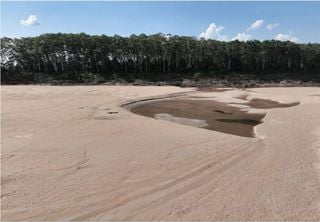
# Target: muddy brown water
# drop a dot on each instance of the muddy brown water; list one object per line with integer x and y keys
{"x": 208, "y": 114}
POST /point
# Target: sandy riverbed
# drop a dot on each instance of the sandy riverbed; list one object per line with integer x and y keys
{"x": 72, "y": 152}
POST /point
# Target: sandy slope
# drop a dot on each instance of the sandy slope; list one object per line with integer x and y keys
{"x": 66, "y": 154}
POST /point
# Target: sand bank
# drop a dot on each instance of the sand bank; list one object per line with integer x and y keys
{"x": 74, "y": 153}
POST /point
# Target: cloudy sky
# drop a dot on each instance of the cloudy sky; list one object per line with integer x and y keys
{"x": 293, "y": 21}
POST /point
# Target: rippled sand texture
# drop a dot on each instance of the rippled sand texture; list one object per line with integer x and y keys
{"x": 76, "y": 153}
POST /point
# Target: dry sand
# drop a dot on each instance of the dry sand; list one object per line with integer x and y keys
{"x": 72, "y": 153}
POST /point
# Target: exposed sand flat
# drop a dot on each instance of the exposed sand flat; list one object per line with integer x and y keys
{"x": 72, "y": 152}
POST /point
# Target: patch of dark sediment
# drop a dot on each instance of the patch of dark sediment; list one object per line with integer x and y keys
{"x": 209, "y": 114}
{"x": 205, "y": 114}
{"x": 221, "y": 111}
{"x": 266, "y": 104}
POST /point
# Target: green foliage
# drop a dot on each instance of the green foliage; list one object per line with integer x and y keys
{"x": 84, "y": 58}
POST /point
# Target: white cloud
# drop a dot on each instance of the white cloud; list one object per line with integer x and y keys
{"x": 213, "y": 32}
{"x": 32, "y": 20}
{"x": 242, "y": 37}
{"x": 256, "y": 25}
{"x": 284, "y": 37}
{"x": 272, "y": 26}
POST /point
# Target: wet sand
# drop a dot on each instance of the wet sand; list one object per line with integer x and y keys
{"x": 217, "y": 116}
{"x": 211, "y": 89}
{"x": 220, "y": 117}
{"x": 77, "y": 153}
{"x": 266, "y": 103}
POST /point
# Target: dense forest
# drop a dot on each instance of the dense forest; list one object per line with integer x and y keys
{"x": 82, "y": 57}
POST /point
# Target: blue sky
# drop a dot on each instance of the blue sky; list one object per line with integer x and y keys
{"x": 294, "y": 21}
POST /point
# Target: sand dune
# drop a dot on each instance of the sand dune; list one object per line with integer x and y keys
{"x": 73, "y": 153}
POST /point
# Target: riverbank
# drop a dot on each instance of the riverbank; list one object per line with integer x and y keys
{"x": 200, "y": 83}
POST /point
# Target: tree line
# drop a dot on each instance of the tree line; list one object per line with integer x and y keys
{"x": 80, "y": 57}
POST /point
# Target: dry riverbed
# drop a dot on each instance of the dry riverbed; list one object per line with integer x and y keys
{"x": 159, "y": 153}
